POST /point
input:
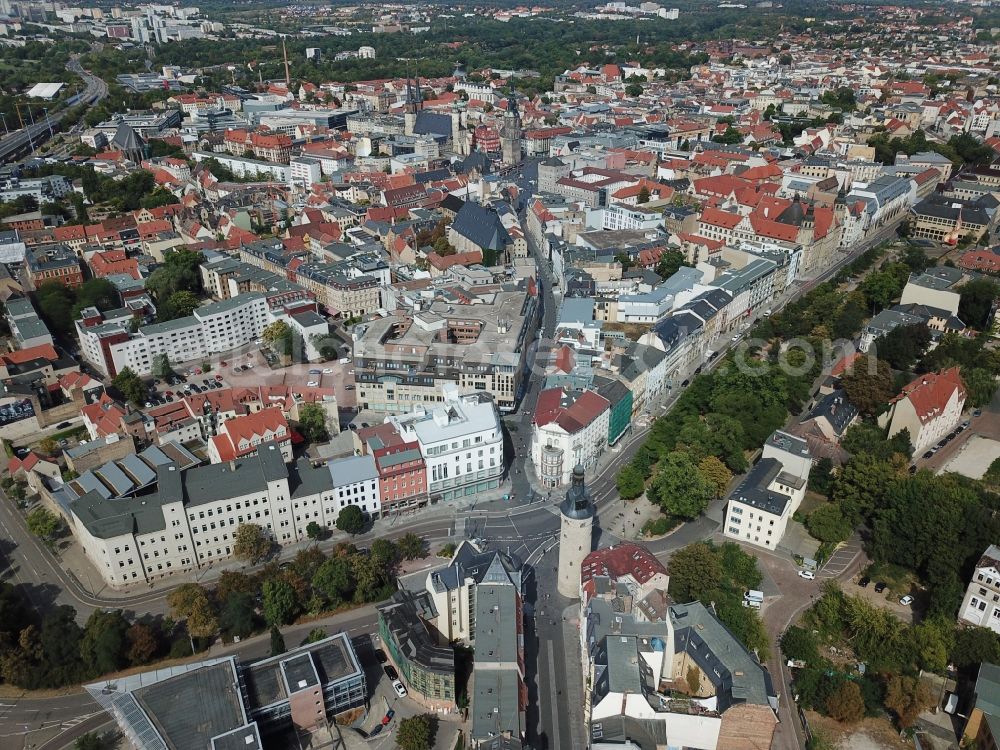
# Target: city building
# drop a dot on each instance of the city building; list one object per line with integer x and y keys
{"x": 240, "y": 437}
{"x": 981, "y": 728}
{"x": 186, "y": 519}
{"x": 981, "y": 603}
{"x": 640, "y": 651}
{"x": 568, "y": 430}
{"x": 760, "y": 507}
{"x": 928, "y": 408}
{"x": 461, "y": 441}
{"x": 109, "y": 345}
{"x": 53, "y": 263}
{"x": 405, "y": 358}
{"x": 427, "y": 667}
{"x": 224, "y": 704}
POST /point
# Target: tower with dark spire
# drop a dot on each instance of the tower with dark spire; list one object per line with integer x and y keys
{"x": 412, "y": 105}
{"x": 576, "y": 530}
{"x": 510, "y": 131}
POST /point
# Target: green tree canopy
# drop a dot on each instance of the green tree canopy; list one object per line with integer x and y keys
{"x": 312, "y": 423}
{"x": 351, "y": 520}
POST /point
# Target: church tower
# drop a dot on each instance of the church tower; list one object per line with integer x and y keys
{"x": 577, "y": 515}
{"x": 510, "y": 131}
{"x": 412, "y": 106}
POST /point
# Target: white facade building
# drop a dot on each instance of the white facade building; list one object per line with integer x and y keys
{"x": 759, "y": 508}
{"x": 568, "y": 432}
{"x": 461, "y": 442}
{"x": 981, "y": 604}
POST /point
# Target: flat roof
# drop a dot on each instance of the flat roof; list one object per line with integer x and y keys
{"x": 190, "y": 709}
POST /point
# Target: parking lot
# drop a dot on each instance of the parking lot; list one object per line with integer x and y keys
{"x": 386, "y": 707}
{"x": 985, "y": 423}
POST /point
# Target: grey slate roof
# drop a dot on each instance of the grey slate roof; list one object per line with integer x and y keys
{"x": 481, "y": 226}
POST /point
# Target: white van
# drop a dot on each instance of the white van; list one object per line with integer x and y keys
{"x": 753, "y": 599}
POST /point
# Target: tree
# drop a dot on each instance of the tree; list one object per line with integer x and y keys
{"x": 43, "y": 523}
{"x": 731, "y": 136}
{"x": 279, "y": 330}
{"x": 630, "y": 482}
{"x": 411, "y": 546}
{"x": 846, "y": 704}
{"x": 693, "y": 570}
{"x": 800, "y": 643}
{"x": 55, "y": 303}
{"x": 142, "y": 644}
{"x": 882, "y": 287}
{"x": 679, "y": 488}
{"x": 280, "y": 603}
{"x": 976, "y": 301}
{"x": 827, "y": 523}
{"x": 277, "y": 642}
{"x": 334, "y": 580}
{"x": 179, "y": 304}
{"x": 907, "y": 697}
{"x": 180, "y": 272}
{"x": 103, "y": 645}
{"x": 161, "y": 366}
{"x": 980, "y": 384}
{"x": 869, "y": 391}
{"x": 670, "y": 262}
{"x": 251, "y": 543}
{"x": 633, "y": 90}
{"x": 821, "y": 477}
{"x": 351, "y": 520}
{"x": 716, "y": 473}
{"x": 94, "y": 741}
{"x": 130, "y": 385}
{"x": 415, "y": 733}
{"x": 902, "y": 346}
{"x": 190, "y": 602}
{"x": 48, "y": 446}
{"x": 314, "y": 531}
{"x": 237, "y": 616}
{"x": 643, "y": 196}
{"x": 312, "y": 423}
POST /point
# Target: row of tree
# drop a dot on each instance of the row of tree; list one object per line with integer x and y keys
{"x": 53, "y": 650}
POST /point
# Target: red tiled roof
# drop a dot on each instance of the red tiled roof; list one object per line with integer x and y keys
{"x": 719, "y": 218}
{"x": 622, "y": 560}
{"x": 929, "y": 394}
{"x": 573, "y": 418}
{"x": 42, "y": 351}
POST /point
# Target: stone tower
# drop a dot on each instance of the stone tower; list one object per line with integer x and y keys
{"x": 577, "y": 516}
{"x": 510, "y": 131}
{"x": 413, "y": 104}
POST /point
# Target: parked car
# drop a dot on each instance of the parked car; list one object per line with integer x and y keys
{"x": 63, "y": 425}
{"x": 327, "y": 370}
{"x": 880, "y": 587}
{"x": 928, "y": 454}
{"x": 390, "y": 672}
{"x": 380, "y": 655}
{"x": 313, "y": 383}
{"x": 376, "y": 730}
{"x": 315, "y": 372}
{"x": 348, "y": 387}
{"x": 807, "y": 574}
{"x": 906, "y": 601}
{"x": 398, "y": 687}
{"x": 865, "y": 580}
{"x": 977, "y": 413}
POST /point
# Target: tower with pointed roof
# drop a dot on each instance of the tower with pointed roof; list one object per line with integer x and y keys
{"x": 510, "y": 131}
{"x": 412, "y": 106}
{"x": 576, "y": 529}
{"x": 130, "y": 143}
